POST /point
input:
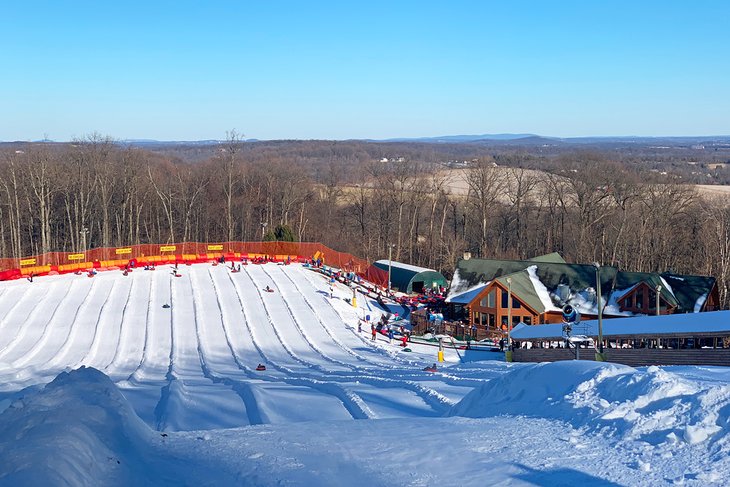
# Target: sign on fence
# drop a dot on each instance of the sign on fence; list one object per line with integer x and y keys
{"x": 27, "y": 261}
{"x": 168, "y": 248}
{"x": 215, "y": 247}
{"x": 126, "y": 250}
{"x": 76, "y": 257}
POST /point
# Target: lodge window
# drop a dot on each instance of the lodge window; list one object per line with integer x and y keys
{"x": 515, "y": 304}
{"x": 483, "y": 302}
{"x": 639, "y": 299}
{"x": 527, "y": 320}
{"x": 476, "y": 316}
{"x": 492, "y": 320}
{"x": 491, "y": 301}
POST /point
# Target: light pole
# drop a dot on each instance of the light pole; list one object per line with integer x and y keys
{"x": 263, "y": 230}
{"x": 83, "y": 233}
{"x": 390, "y": 263}
{"x": 508, "y": 353}
{"x": 658, "y": 290}
{"x": 599, "y": 354}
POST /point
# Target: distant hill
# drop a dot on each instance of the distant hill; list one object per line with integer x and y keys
{"x": 459, "y": 138}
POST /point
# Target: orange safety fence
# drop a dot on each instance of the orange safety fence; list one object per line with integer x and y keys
{"x": 188, "y": 252}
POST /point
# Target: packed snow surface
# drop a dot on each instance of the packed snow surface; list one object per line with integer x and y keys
{"x": 102, "y": 385}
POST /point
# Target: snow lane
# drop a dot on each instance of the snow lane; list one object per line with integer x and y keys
{"x": 43, "y": 357}
{"x": 297, "y": 375}
{"x": 145, "y": 384}
{"x": 263, "y": 331}
{"x": 158, "y": 346}
{"x": 42, "y": 299}
{"x": 282, "y": 322}
{"x": 308, "y": 323}
{"x": 10, "y": 298}
{"x": 108, "y": 327}
{"x": 80, "y": 338}
{"x": 59, "y": 305}
{"x": 193, "y": 401}
{"x": 333, "y": 325}
{"x": 133, "y": 328}
{"x": 426, "y": 399}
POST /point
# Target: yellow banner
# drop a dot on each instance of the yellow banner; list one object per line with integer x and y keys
{"x": 127, "y": 250}
{"x": 76, "y": 257}
{"x": 168, "y": 248}
{"x": 27, "y": 261}
{"x": 215, "y": 247}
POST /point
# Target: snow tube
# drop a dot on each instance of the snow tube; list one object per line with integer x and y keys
{"x": 407, "y": 349}
{"x": 431, "y": 368}
{"x": 260, "y": 367}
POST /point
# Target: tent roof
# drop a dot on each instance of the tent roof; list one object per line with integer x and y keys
{"x": 383, "y": 263}
{"x": 403, "y": 274}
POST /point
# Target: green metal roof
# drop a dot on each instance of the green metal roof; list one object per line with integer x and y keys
{"x": 576, "y": 276}
{"x": 683, "y": 292}
{"x": 523, "y": 289}
{"x": 688, "y": 289}
{"x": 553, "y": 257}
{"x": 628, "y": 280}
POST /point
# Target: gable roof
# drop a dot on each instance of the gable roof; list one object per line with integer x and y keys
{"x": 467, "y": 296}
{"x": 527, "y": 287}
{"x": 578, "y": 280}
{"x": 627, "y": 281}
{"x": 691, "y": 292}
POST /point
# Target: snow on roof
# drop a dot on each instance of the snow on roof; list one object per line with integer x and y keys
{"x": 700, "y": 302}
{"x": 541, "y": 290}
{"x": 710, "y": 322}
{"x": 467, "y": 296}
{"x": 612, "y": 307}
{"x": 667, "y": 286}
{"x": 401, "y": 265}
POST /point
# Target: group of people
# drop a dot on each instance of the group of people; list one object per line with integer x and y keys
{"x": 384, "y": 328}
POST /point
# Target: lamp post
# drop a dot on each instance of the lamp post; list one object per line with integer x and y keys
{"x": 658, "y": 290}
{"x": 263, "y": 230}
{"x": 600, "y": 357}
{"x": 390, "y": 263}
{"x": 508, "y": 353}
{"x": 84, "y": 231}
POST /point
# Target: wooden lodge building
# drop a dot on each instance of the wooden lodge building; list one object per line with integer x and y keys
{"x": 541, "y": 286}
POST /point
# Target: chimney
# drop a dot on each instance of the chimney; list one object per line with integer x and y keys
{"x": 467, "y": 255}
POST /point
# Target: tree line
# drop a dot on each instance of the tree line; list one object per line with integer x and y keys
{"x": 96, "y": 193}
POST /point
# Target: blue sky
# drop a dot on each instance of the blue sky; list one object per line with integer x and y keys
{"x": 189, "y": 70}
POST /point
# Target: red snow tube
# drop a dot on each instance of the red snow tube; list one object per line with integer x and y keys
{"x": 261, "y": 367}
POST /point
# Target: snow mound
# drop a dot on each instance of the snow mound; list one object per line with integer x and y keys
{"x": 78, "y": 430}
{"x": 654, "y": 405}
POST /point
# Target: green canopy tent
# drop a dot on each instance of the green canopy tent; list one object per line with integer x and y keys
{"x": 409, "y": 279}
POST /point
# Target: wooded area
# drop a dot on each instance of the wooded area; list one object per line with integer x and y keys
{"x": 96, "y": 193}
